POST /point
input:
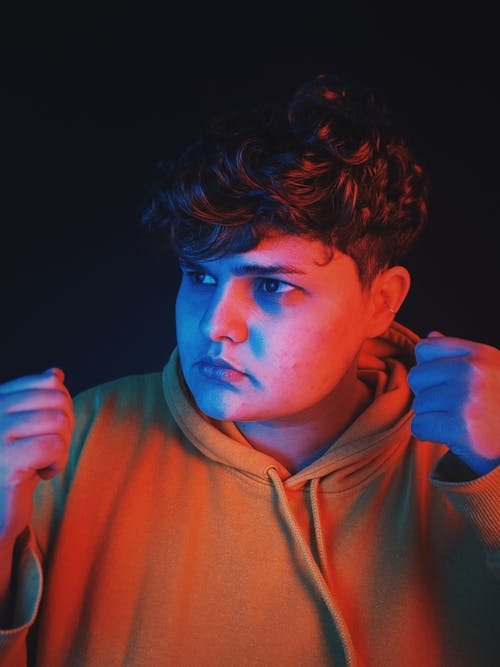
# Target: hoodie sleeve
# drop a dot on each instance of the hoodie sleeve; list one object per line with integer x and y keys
{"x": 34, "y": 543}
{"x": 28, "y": 584}
{"x": 476, "y": 498}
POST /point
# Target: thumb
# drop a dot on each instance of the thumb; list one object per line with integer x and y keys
{"x": 435, "y": 334}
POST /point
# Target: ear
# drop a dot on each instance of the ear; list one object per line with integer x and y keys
{"x": 387, "y": 293}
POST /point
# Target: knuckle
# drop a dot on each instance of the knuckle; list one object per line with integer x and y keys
{"x": 465, "y": 365}
{"x": 417, "y": 405}
{"x": 422, "y": 350}
{"x": 53, "y": 381}
{"x": 478, "y": 377}
{"x": 7, "y": 428}
{"x": 60, "y": 397}
{"x": 9, "y": 401}
{"x": 53, "y": 441}
{"x": 412, "y": 377}
{"x": 417, "y": 427}
{"x": 60, "y": 418}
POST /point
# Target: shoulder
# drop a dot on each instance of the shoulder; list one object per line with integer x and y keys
{"x": 120, "y": 398}
{"x": 120, "y": 417}
{"x": 128, "y": 385}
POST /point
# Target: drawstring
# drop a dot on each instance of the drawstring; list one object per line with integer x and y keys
{"x": 314, "y": 570}
{"x": 320, "y": 540}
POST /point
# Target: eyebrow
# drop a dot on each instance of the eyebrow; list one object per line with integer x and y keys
{"x": 251, "y": 269}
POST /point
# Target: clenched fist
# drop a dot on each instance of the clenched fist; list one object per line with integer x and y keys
{"x": 456, "y": 383}
{"x": 36, "y": 425}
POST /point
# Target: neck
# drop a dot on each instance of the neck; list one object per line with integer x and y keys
{"x": 298, "y": 440}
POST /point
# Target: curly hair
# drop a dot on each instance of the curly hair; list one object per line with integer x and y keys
{"x": 327, "y": 166}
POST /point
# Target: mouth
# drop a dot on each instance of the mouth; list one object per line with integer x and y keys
{"x": 217, "y": 368}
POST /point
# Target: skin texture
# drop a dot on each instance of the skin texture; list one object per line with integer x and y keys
{"x": 296, "y": 337}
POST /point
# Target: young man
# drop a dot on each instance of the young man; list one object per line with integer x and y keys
{"x": 306, "y": 482}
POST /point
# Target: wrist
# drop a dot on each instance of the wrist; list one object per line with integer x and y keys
{"x": 480, "y": 464}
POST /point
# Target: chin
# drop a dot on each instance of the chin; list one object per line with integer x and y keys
{"x": 216, "y": 409}
{"x": 224, "y": 410}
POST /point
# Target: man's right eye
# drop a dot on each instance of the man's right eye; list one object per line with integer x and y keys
{"x": 200, "y": 278}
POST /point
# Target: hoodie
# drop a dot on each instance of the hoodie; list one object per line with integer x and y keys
{"x": 170, "y": 540}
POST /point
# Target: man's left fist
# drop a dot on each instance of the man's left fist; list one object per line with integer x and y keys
{"x": 456, "y": 383}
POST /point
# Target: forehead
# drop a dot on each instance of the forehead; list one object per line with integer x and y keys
{"x": 289, "y": 252}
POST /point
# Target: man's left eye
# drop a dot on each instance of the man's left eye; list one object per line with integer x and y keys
{"x": 273, "y": 286}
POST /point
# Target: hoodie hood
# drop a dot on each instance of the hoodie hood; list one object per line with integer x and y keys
{"x": 359, "y": 451}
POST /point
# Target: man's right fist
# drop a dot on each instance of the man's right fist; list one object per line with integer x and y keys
{"x": 36, "y": 426}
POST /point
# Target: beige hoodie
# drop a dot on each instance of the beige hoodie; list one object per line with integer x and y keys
{"x": 170, "y": 540}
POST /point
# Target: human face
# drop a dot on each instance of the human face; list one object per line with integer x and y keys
{"x": 271, "y": 333}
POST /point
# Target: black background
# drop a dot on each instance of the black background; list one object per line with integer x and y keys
{"x": 91, "y": 100}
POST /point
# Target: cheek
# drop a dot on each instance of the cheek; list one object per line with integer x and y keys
{"x": 301, "y": 348}
{"x": 185, "y": 319}
{"x": 311, "y": 356}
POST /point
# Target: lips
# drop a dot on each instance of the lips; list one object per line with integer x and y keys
{"x": 217, "y": 368}
{"x": 219, "y": 362}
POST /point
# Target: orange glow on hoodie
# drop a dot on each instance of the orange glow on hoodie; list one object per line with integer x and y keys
{"x": 170, "y": 540}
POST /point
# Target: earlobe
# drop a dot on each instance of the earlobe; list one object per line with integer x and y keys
{"x": 388, "y": 292}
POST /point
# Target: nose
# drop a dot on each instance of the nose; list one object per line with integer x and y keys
{"x": 225, "y": 316}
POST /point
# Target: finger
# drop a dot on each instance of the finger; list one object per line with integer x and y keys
{"x": 439, "y": 398}
{"x": 437, "y": 347}
{"x": 440, "y": 427}
{"x": 38, "y": 399}
{"x": 49, "y": 379}
{"x": 436, "y": 372}
{"x": 26, "y": 456}
{"x": 34, "y": 423}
